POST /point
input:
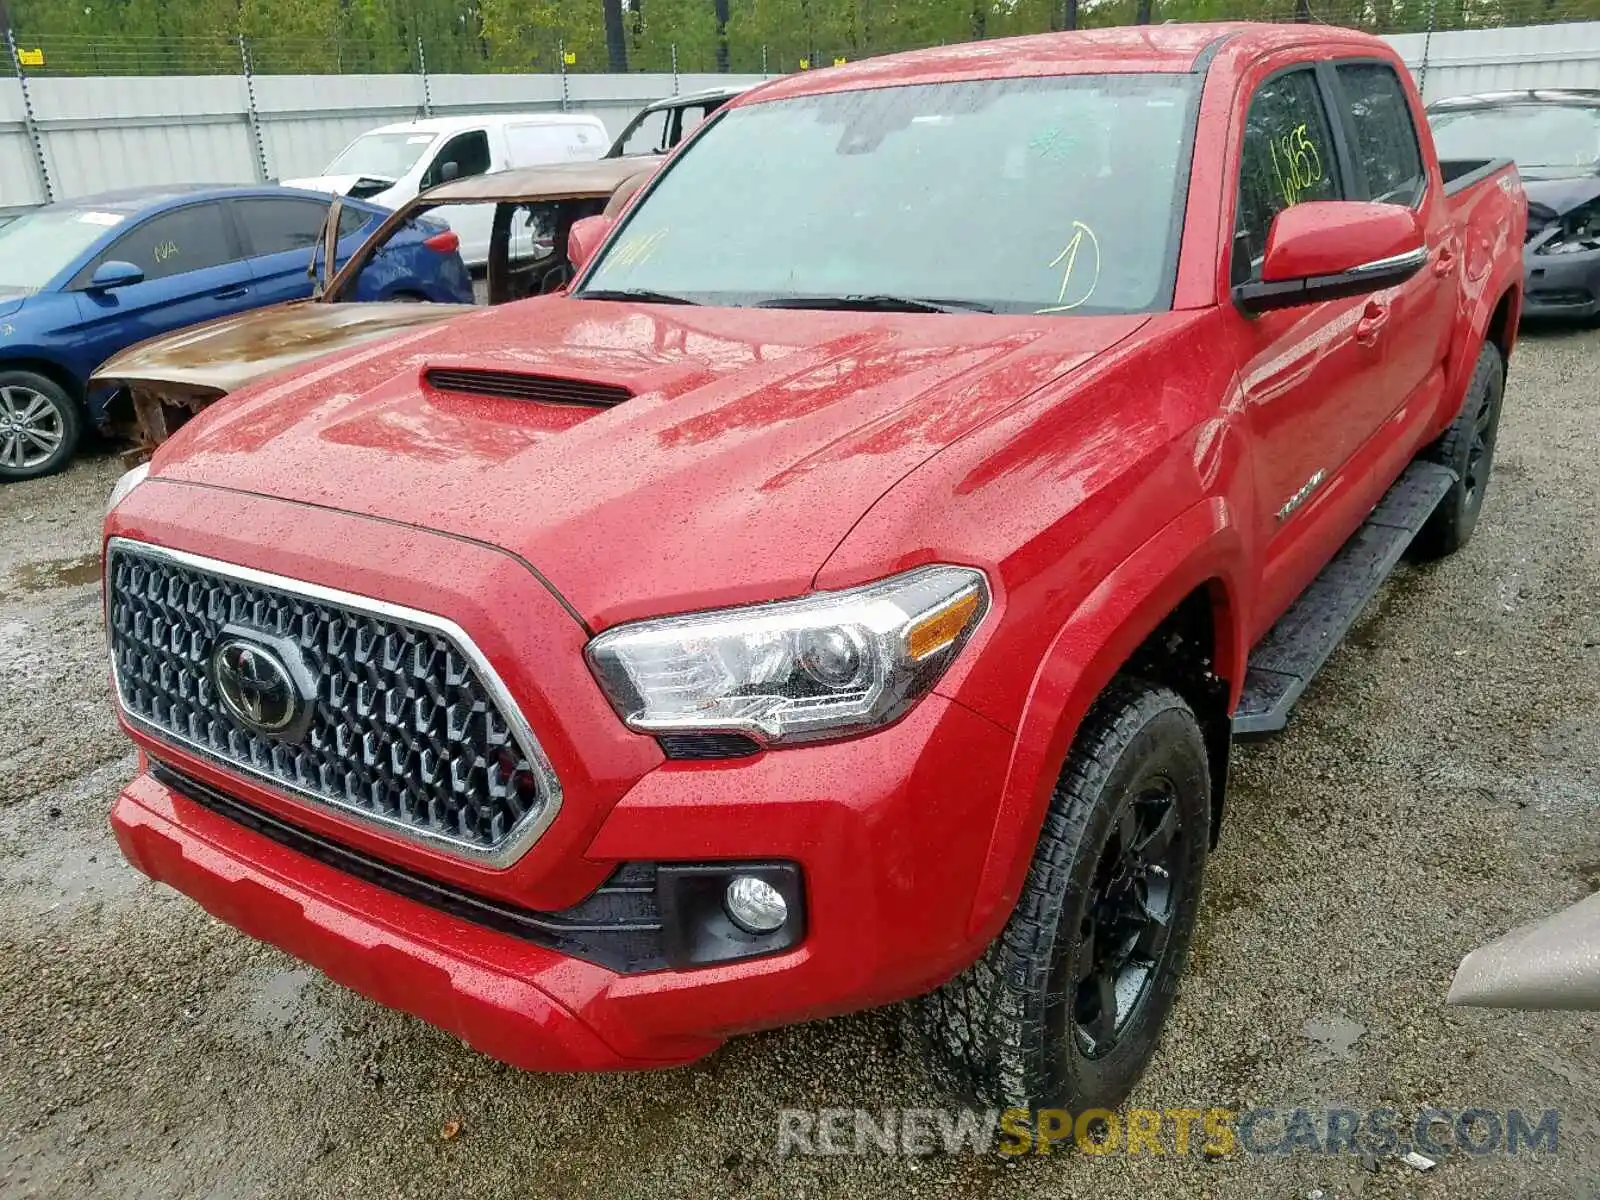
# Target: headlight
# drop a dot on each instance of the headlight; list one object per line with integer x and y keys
{"x": 1578, "y": 232}
{"x": 822, "y": 666}
{"x": 126, "y": 484}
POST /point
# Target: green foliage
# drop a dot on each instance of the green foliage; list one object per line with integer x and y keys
{"x": 314, "y": 36}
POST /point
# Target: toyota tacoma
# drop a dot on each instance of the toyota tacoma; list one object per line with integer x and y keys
{"x": 846, "y": 598}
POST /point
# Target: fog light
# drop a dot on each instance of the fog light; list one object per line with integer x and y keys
{"x": 754, "y": 904}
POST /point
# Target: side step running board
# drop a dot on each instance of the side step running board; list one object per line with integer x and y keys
{"x": 1283, "y": 663}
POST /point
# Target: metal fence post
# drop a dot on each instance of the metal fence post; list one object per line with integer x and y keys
{"x": 422, "y": 65}
{"x": 254, "y": 117}
{"x": 28, "y": 121}
{"x": 561, "y": 54}
{"x": 763, "y": 60}
{"x": 674, "y": 68}
{"x": 1427, "y": 43}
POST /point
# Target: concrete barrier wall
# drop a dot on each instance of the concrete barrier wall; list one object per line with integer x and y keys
{"x": 104, "y": 133}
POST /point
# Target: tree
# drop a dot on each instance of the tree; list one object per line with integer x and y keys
{"x": 616, "y": 38}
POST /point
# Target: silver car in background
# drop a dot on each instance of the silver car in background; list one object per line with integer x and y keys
{"x": 1554, "y": 136}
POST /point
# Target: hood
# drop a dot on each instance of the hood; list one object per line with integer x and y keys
{"x": 10, "y": 304}
{"x": 361, "y": 187}
{"x": 752, "y": 442}
{"x": 223, "y": 355}
{"x": 1558, "y": 197}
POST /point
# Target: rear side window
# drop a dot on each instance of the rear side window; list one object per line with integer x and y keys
{"x": 352, "y": 220}
{"x": 273, "y": 226}
{"x": 692, "y": 118}
{"x": 188, "y": 239}
{"x": 1288, "y": 157}
{"x": 1385, "y": 139}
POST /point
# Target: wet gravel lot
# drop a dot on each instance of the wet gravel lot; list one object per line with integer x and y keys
{"x": 1439, "y": 785}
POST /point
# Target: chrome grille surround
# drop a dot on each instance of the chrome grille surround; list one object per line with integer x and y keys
{"x": 415, "y": 726}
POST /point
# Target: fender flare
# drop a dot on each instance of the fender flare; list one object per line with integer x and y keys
{"x": 42, "y": 363}
{"x": 1476, "y": 327}
{"x": 1199, "y": 547}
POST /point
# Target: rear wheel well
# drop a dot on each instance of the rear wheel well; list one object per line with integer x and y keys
{"x": 1499, "y": 330}
{"x": 1182, "y": 653}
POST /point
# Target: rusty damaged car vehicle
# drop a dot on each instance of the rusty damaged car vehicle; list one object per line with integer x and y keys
{"x": 158, "y": 384}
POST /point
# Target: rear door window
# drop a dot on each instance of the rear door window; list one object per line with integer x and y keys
{"x": 272, "y": 226}
{"x": 187, "y": 239}
{"x": 1383, "y": 136}
{"x": 1288, "y": 157}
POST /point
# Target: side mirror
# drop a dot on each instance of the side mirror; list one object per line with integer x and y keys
{"x": 1330, "y": 249}
{"x": 114, "y": 273}
{"x": 449, "y": 171}
{"x": 584, "y": 239}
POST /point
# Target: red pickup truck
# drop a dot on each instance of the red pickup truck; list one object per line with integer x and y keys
{"x": 848, "y": 599}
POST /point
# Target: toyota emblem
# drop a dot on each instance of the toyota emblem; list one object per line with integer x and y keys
{"x": 257, "y": 687}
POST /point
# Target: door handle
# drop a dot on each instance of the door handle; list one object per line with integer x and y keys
{"x": 1373, "y": 318}
{"x": 232, "y": 293}
{"x": 1444, "y": 262}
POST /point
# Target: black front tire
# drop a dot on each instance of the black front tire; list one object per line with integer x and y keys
{"x": 1028, "y": 1025}
{"x": 39, "y": 425}
{"x": 1467, "y": 448}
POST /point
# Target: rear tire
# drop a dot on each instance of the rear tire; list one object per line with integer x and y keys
{"x": 39, "y": 425}
{"x": 1066, "y": 1006}
{"x": 1467, "y": 448}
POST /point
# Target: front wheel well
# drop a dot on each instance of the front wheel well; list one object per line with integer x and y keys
{"x": 52, "y": 371}
{"x": 1185, "y": 652}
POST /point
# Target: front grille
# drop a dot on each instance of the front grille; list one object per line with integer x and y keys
{"x": 518, "y": 385}
{"x": 408, "y": 727}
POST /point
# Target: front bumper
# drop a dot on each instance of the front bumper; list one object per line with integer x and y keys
{"x": 889, "y": 831}
{"x": 1562, "y": 285}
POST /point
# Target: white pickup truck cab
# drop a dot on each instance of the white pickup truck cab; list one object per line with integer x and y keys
{"x": 392, "y": 164}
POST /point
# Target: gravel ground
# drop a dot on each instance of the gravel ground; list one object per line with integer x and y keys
{"x": 1438, "y": 786}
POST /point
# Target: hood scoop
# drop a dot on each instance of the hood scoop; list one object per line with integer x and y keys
{"x": 519, "y": 385}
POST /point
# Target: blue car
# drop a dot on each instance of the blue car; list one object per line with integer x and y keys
{"x": 84, "y": 279}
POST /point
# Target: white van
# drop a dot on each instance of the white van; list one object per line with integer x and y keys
{"x": 390, "y": 165}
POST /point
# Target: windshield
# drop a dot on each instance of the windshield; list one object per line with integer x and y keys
{"x": 381, "y": 155}
{"x": 1054, "y": 195}
{"x": 1550, "y": 136}
{"x": 38, "y": 246}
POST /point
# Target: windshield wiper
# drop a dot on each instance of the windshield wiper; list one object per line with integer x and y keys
{"x": 642, "y": 295}
{"x": 910, "y": 304}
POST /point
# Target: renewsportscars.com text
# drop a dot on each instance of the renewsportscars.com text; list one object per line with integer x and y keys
{"x": 1213, "y": 1132}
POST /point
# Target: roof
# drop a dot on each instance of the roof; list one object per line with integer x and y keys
{"x": 136, "y": 199}
{"x": 1129, "y": 49}
{"x": 557, "y": 181}
{"x": 687, "y": 99}
{"x": 141, "y": 199}
{"x": 1574, "y": 97}
{"x": 477, "y": 120}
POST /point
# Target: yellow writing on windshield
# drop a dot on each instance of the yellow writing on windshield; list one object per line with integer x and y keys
{"x": 1084, "y": 249}
{"x": 637, "y": 249}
